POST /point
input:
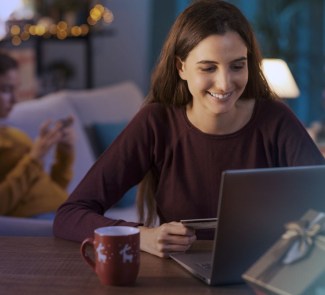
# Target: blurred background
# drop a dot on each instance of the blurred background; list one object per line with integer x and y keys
{"x": 83, "y": 44}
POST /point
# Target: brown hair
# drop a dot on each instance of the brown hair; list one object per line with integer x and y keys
{"x": 200, "y": 20}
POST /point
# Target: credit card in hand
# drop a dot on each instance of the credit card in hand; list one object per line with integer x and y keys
{"x": 201, "y": 223}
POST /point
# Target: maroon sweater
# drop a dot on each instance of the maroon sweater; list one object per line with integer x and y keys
{"x": 187, "y": 161}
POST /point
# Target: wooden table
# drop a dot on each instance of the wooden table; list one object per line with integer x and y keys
{"x": 44, "y": 265}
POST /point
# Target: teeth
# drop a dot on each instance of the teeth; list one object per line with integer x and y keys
{"x": 220, "y": 96}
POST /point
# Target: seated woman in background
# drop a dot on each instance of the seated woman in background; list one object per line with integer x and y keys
{"x": 26, "y": 189}
{"x": 209, "y": 109}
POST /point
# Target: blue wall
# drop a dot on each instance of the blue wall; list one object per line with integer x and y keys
{"x": 300, "y": 38}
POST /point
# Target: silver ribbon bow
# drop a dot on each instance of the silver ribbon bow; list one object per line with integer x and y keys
{"x": 303, "y": 235}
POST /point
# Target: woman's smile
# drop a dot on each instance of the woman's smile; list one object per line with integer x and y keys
{"x": 220, "y": 97}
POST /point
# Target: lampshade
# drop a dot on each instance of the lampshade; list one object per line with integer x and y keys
{"x": 279, "y": 77}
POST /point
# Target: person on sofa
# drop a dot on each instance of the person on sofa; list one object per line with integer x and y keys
{"x": 209, "y": 109}
{"x": 26, "y": 189}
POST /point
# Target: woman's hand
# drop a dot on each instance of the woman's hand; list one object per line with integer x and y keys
{"x": 68, "y": 136}
{"x": 167, "y": 238}
{"x": 61, "y": 134}
{"x": 48, "y": 137}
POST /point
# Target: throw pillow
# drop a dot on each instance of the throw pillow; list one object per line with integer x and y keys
{"x": 105, "y": 134}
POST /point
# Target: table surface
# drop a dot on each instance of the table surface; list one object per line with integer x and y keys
{"x": 45, "y": 265}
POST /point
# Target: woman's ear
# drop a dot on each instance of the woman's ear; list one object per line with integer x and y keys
{"x": 180, "y": 68}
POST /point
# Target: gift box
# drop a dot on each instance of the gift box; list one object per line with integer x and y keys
{"x": 295, "y": 264}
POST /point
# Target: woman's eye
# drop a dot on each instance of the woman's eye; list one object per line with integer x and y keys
{"x": 209, "y": 69}
{"x": 237, "y": 67}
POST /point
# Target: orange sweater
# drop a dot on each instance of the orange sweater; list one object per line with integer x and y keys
{"x": 26, "y": 189}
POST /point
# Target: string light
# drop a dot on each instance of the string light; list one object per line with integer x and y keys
{"x": 61, "y": 30}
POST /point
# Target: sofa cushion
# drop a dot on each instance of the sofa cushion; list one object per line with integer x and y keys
{"x": 114, "y": 103}
{"x": 28, "y": 116}
{"x": 104, "y": 134}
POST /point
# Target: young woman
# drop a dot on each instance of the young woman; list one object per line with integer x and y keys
{"x": 26, "y": 190}
{"x": 209, "y": 109}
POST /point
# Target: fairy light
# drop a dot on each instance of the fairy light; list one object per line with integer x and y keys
{"x": 108, "y": 16}
{"x": 15, "y": 30}
{"x": 24, "y": 36}
{"x": 16, "y": 40}
{"x": 75, "y": 31}
{"x": 32, "y": 30}
{"x": 61, "y": 30}
{"x": 84, "y": 29}
{"x": 91, "y": 21}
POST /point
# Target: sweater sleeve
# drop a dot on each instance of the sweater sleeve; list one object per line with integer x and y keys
{"x": 120, "y": 167}
{"x": 295, "y": 146}
{"x": 17, "y": 182}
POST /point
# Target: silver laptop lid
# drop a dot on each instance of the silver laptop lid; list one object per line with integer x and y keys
{"x": 253, "y": 208}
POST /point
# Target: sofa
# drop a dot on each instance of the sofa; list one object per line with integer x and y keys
{"x": 100, "y": 114}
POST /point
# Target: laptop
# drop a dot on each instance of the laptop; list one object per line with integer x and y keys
{"x": 253, "y": 207}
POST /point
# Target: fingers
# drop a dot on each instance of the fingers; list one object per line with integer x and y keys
{"x": 68, "y": 136}
{"x": 61, "y": 131}
{"x": 44, "y": 127}
{"x": 169, "y": 237}
{"x": 50, "y": 135}
{"x": 65, "y": 122}
{"x": 175, "y": 233}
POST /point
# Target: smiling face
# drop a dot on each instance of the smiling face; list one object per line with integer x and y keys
{"x": 216, "y": 72}
{"x": 8, "y": 84}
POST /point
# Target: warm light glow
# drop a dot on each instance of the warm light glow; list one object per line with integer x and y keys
{"x": 91, "y": 21}
{"x": 279, "y": 77}
{"x": 45, "y": 26}
{"x": 75, "y": 31}
{"x": 84, "y": 29}
{"x": 108, "y": 16}
{"x": 16, "y": 40}
{"x": 40, "y": 30}
{"x": 95, "y": 14}
{"x": 15, "y": 30}
{"x": 24, "y": 36}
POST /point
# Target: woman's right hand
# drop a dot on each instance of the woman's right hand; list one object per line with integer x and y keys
{"x": 47, "y": 138}
{"x": 167, "y": 238}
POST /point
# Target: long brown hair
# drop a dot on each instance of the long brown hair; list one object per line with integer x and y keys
{"x": 200, "y": 20}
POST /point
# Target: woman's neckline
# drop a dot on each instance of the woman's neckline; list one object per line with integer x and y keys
{"x": 231, "y": 134}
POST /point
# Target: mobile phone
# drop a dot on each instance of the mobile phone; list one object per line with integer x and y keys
{"x": 200, "y": 223}
{"x": 66, "y": 122}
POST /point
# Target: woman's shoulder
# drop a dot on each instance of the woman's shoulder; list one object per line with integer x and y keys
{"x": 274, "y": 113}
{"x": 160, "y": 119}
{"x": 157, "y": 111}
{"x": 271, "y": 107}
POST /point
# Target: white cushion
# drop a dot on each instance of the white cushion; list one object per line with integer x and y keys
{"x": 116, "y": 103}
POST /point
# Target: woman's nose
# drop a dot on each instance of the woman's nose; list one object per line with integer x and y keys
{"x": 223, "y": 81}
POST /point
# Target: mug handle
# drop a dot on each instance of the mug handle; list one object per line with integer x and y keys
{"x": 83, "y": 250}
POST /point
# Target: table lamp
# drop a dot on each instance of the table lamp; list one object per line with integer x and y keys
{"x": 279, "y": 77}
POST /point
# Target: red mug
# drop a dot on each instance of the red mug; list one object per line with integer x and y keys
{"x": 117, "y": 254}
